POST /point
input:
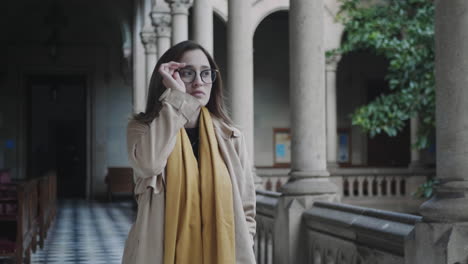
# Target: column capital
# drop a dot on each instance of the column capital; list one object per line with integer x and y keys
{"x": 162, "y": 21}
{"x": 332, "y": 62}
{"x": 180, "y": 7}
{"x": 148, "y": 38}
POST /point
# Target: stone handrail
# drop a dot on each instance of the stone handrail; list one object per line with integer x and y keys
{"x": 266, "y": 202}
{"x": 341, "y": 233}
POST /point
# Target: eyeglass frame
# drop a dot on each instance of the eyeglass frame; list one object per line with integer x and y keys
{"x": 201, "y": 78}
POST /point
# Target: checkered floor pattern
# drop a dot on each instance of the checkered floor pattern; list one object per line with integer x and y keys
{"x": 87, "y": 232}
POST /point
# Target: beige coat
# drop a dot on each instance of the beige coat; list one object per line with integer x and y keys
{"x": 149, "y": 147}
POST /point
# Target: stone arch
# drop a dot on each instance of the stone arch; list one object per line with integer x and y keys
{"x": 220, "y": 8}
{"x": 220, "y": 47}
{"x": 360, "y": 79}
{"x": 262, "y": 9}
{"x": 333, "y": 30}
{"x": 271, "y": 84}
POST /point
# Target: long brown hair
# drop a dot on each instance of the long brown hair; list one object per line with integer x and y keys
{"x": 156, "y": 88}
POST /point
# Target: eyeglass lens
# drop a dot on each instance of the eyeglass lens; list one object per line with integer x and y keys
{"x": 189, "y": 75}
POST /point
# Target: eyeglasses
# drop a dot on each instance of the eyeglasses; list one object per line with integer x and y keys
{"x": 188, "y": 75}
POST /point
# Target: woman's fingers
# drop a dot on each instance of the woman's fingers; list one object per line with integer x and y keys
{"x": 171, "y": 78}
{"x": 171, "y": 67}
{"x": 164, "y": 72}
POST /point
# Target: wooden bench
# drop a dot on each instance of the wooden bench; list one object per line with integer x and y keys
{"x": 47, "y": 204}
{"x": 27, "y": 210}
{"x": 18, "y": 220}
{"x": 119, "y": 180}
{"x": 52, "y": 189}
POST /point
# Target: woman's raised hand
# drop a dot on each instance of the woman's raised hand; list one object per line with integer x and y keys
{"x": 171, "y": 78}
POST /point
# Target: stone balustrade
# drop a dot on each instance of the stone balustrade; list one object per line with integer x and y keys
{"x": 273, "y": 179}
{"x": 333, "y": 233}
{"x": 266, "y": 210}
{"x": 340, "y": 233}
{"x": 381, "y": 188}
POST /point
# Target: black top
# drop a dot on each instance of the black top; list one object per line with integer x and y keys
{"x": 193, "y": 134}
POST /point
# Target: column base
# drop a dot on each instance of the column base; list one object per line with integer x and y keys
{"x": 449, "y": 204}
{"x": 332, "y": 165}
{"x": 297, "y": 196}
{"x": 309, "y": 186}
{"x": 438, "y": 243}
{"x": 309, "y": 174}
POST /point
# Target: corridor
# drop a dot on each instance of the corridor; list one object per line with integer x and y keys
{"x": 87, "y": 232}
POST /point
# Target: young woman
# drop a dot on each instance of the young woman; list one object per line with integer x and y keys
{"x": 194, "y": 187}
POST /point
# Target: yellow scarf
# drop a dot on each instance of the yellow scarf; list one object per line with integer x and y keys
{"x": 199, "y": 217}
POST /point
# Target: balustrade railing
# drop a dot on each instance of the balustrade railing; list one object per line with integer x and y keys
{"x": 339, "y": 233}
{"x": 334, "y": 233}
{"x": 273, "y": 179}
{"x": 264, "y": 245}
{"x": 381, "y": 188}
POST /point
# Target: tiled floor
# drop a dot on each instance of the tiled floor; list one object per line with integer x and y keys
{"x": 87, "y": 232}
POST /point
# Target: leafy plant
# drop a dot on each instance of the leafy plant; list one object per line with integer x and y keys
{"x": 426, "y": 190}
{"x": 403, "y": 32}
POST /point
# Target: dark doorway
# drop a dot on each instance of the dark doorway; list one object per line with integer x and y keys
{"x": 57, "y": 131}
{"x": 383, "y": 150}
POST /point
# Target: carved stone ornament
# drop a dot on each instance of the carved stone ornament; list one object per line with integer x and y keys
{"x": 180, "y": 7}
{"x": 148, "y": 38}
{"x": 161, "y": 19}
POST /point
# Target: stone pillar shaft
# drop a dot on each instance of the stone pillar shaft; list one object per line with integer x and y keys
{"x": 332, "y": 137}
{"x": 139, "y": 93}
{"x": 451, "y": 200}
{"x": 240, "y": 68}
{"x": 307, "y": 88}
{"x": 203, "y": 24}
{"x": 148, "y": 37}
{"x": 179, "y": 9}
{"x": 161, "y": 20}
{"x": 308, "y": 182}
{"x": 164, "y": 41}
{"x": 441, "y": 237}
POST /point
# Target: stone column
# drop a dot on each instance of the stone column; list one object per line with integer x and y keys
{"x": 161, "y": 20}
{"x": 179, "y": 10}
{"x": 307, "y": 89}
{"x": 442, "y": 236}
{"x": 139, "y": 82}
{"x": 309, "y": 180}
{"x": 415, "y": 154}
{"x": 240, "y": 71}
{"x": 332, "y": 136}
{"x": 148, "y": 38}
{"x": 203, "y": 24}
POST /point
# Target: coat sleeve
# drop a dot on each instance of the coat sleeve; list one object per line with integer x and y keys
{"x": 248, "y": 189}
{"x": 149, "y": 146}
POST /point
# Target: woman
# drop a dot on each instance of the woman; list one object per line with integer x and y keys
{"x": 194, "y": 187}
